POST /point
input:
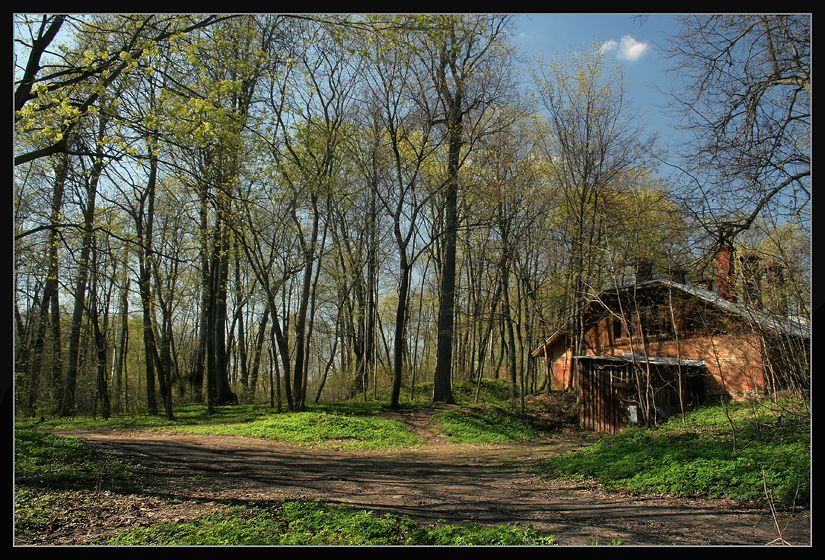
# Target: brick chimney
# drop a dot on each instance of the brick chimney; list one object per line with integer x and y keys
{"x": 724, "y": 272}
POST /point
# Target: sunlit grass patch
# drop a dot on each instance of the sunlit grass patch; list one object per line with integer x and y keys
{"x": 314, "y": 523}
{"x": 318, "y": 428}
{"x": 47, "y": 459}
{"x": 479, "y": 425}
{"x": 703, "y": 456}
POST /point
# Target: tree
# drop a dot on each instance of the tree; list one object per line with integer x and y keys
{"x": 461, "y": 54}
{"x": 49, "y": 299}
{"x": 91, "y": 179}
{"x": 746, "y": 100}
{"x": 591, "y": 142}
{"x": 402, "y": 129}
{"x": 74, "y": 80}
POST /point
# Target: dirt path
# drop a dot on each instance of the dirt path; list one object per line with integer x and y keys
{"x": 431, "y": 482}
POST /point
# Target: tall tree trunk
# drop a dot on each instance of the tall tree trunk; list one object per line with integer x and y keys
{"x": 244, "y": 373}
{"x": 259, "y": 345}
{"x": 442, "y": 386}
{"x": 50, "y": 296}
{"x": 223, "y": 393}
{"x": 508, "y": 323}
{"x": 67, "y": 403}
{"x": 21, "y": 350}
{"x": 370, "y": 311}
{"x": 274, "y": 364}
{"x": 122, "y": 345}
{"x": 400, "y": 323}
{"x": 298, "y": 373}
{"x": 312, "y": 308}
{"x": 209, "y": 345}
{"x": 283, "y": 349}
{"x": 102, "y": 391}
{"x": 154, "y": 363}
{"x": 197, "y": 375}
{"x": 487, "y": 339}
{"x": 331, "y": 359}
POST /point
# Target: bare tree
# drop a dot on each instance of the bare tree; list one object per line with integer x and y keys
{"x": 746, "y": 100}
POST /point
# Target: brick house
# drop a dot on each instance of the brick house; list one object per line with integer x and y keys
{"x": 657, "y": 346}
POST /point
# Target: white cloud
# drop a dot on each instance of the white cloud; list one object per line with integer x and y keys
{"x": 627, "y": 49}
{"x": 630, "y": 49}
{"x": 608, "y": 46}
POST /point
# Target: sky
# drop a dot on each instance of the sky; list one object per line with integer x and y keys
{"x": 634, "y": 43}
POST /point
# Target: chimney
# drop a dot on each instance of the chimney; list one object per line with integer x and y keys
{"x": 644, "y": 270}
{"x": 724, "y": 272}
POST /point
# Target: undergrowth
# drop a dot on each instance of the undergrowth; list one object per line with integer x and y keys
{"x": 314, "y": 523}
{"x": 483, "y": 425}
{"x": 703, "y": 455}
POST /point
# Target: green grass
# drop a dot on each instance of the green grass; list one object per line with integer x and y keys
{"x": 348, "y": 424}
{"x": 44, "y": 462}
{"x": 319, "y": 428}
{"x": 35, "y": 509}
{"x": 313, "y": 523}
{"x": 42, "y": 458}
{"x": 494, "y": 392}
{"x": 185, "y": 414}
{"x": 483, "y": 425}
{"x": 698, "y": 458}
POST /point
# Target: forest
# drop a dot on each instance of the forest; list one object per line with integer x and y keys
{"x": 279, "y": 211}
{"x": 209, "y": 206}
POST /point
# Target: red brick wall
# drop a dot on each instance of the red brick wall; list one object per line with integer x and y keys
{"x": 734, "y": 362}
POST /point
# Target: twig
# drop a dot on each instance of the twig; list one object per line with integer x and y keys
{"x": 780, "y": 539}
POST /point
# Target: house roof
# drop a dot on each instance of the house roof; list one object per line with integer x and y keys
{"x": 550, "y": 341}
{"x": 797, "y": 326}
{"x": 793, "y": 326}
{"x": 656, "y": 360}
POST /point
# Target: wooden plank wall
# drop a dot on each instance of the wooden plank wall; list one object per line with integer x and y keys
{"x": 600, "y": 405}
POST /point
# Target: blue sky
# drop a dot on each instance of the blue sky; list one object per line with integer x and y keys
{"x": 633, "y": 43}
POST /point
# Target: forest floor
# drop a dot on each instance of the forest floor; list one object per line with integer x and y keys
{"x": 182, "y": 476}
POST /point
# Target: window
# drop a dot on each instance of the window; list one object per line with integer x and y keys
{"x": 622, "y": 329}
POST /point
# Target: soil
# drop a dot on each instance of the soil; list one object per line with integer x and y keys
{"x": 184, "y": 476}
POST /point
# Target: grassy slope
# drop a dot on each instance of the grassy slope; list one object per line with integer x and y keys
{"x": 708, "y": 455}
